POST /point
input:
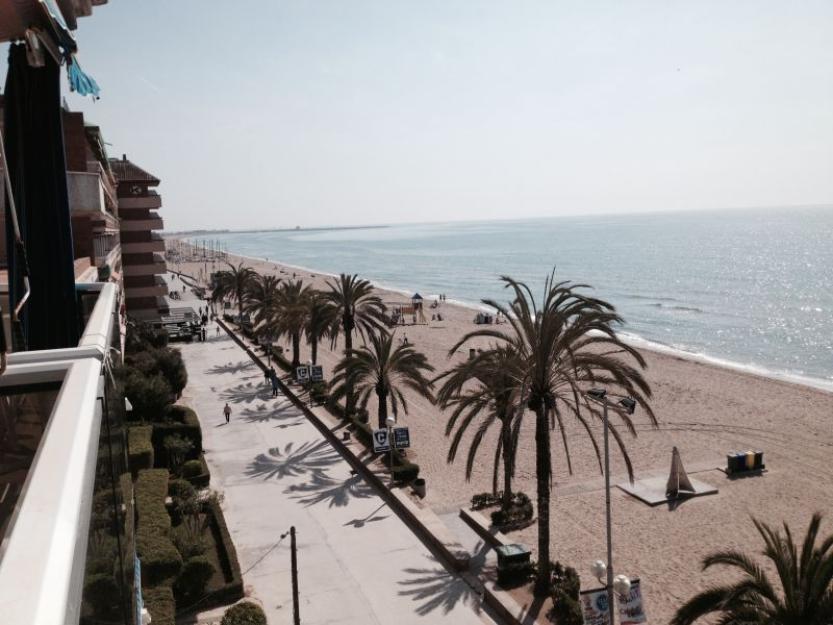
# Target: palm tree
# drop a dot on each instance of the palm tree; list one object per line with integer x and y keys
{"x": 355, "y": 309}
{"x": 805, "y": 577}
{"x": 488, "y": 388}
{"x": 565, "y": 346}
{"x": 320, "y": 318}
{"x": 289, "y": 316}
{"x": 383, "y": 370}
{"x": 233, "y": 283}
{"x": 262, "y": 297}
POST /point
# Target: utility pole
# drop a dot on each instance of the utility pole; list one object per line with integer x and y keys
{"x": 294, "y": 550}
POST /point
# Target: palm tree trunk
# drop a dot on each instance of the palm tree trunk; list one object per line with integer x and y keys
{"x": 296, "y": 350}
{"x": 506, "y": 436}
{"x": 349, "y": 399}
{"x": 383, "y": 409}
{"x": 314, "y": 351}
{"x": 543, "y": 472}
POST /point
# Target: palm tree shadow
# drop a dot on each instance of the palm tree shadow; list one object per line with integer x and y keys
{"x": 244, "y": 393}
{"x": 310, "y": 458}
{"x": 337, "y": 493}
{"x": 370, "y": 518}
{"x": 263, "y": 413}
{"x": 436, "y": 588}
{"x": 231, "y": 367}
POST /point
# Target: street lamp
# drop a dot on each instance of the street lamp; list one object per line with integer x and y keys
{"x": 390, "y": 422}
{"x": 627, "y": 405}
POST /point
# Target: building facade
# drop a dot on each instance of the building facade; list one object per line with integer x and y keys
{"x": 143, "y": 250}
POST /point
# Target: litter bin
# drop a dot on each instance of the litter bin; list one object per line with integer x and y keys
{"x": 419, "y": 487}
{"x": 512, "y": 563}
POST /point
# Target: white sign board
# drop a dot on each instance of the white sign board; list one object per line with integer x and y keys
{"x": 381, "y": 440}
{"x": 594, "y": 607}
{"x": 631, "y": 610}
{"x": 302, "y": 373}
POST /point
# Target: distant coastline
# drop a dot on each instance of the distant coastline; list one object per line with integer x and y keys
{"x": 192, "y": 233}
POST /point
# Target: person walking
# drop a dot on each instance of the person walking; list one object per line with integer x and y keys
{"x": 227, "y": 412}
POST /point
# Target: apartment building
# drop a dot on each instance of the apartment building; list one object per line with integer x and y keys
{"x": 143, "y": 250}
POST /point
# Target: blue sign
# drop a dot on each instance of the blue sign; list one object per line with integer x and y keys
{"x": 137, "y": 589}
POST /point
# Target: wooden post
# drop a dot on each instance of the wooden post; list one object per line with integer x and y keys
{"x": 294, "y": 550}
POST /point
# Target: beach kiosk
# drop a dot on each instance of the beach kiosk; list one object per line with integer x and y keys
{"x": 416, "y": 301}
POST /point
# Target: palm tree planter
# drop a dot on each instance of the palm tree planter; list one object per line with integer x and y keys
{"x": 566, "y": 345}
{"x": 385, "y": 371}
{"x": 805, "y": 575}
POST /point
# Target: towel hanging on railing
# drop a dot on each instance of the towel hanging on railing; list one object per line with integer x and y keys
{"x": 79, "y": 81}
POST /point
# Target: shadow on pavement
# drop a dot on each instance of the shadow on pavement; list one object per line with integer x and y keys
{"x": 338, "y": 493}
{"x": 245, "y": 393}
{"x": 370, "y": 518}
{"x": 231, "y": 367}
{"x": 265, "y": 413}
{"x": 310, "y": 458}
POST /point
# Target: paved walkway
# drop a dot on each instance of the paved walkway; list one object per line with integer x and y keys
{"x": 358, "y": 562}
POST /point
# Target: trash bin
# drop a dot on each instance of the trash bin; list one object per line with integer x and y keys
{"x": 471, "y": 353}
{"x": 759, "y": 460}
{"x": 419, "y": 487}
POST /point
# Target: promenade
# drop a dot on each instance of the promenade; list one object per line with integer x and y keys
{"x": 358, "y": 562}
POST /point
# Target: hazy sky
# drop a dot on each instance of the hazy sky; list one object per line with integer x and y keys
{"x": 278, "y": 114}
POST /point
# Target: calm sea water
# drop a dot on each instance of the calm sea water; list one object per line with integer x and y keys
{"x": 753, "y": 288}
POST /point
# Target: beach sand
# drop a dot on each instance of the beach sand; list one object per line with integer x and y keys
{"x": 703, "y": 409}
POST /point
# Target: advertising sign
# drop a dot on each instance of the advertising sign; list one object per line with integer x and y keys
{"x": 594, "y": 607}
{"x": 401, "y": 438}
{"x": 631, "y": 610}
{"x": 316, "y": 373}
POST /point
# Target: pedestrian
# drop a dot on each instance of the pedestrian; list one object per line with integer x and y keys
{"x": 217, "y": 333}
{"x": 275, "y": 386}
{"x": 266, "y": 376}
{"x": 227, "y": 412}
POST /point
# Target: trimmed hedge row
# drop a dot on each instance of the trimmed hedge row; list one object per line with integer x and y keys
{"x": 159, "y": 601}
{"x": 233, "y": 589}
{"x": 161, "y": 561}
{"x": 140, "y": 455}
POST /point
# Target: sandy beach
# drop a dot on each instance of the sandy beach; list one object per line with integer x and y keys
{"x": 704, "y": 410}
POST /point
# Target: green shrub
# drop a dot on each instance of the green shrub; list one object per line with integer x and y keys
{"x": 169, "y": 364}
{"x": 406, "y": 472}
{"x": 142, "y": 336}
{"x": 181, "y": 490}
{"x": 140, "y": 448}
{"x": 566, "y": 609}
{"x": 176, "y": 448}
{"x": 192, "y": 468}
{"x": 102, "y": 593}
{"x": 244, "y": 613}
{"x": 160, "y": 559}
{"x": 485, "y": 500}
{"x": 159, "y": 601}
{"x": 181, "y": 421}
{"x": 227, "y": 555}
{"x": 149, "y": 395}
{"x": 194, "y": 577}
{"x": 517, "y": 516}
{"x": 189, "y": 542}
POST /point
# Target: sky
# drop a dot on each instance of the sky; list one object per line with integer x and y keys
{"x": 281, "y": 114}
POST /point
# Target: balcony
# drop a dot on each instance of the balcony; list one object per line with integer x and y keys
{"x": 158, "y": 289}
{"x": 62, "y": 412}
{"x": 158, "y": 266}
{"x": 156, "y": 244}
{"x": 88, "y": 193}
{"x": 151, "y": 200}
{"x": 152, "y": 222}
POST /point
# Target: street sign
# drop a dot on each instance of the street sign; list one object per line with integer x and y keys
{"x": 316, "y": 373}
{"x": 401, "y": 438}
{"x": 302, "y": 373}
{"x": 380, "y": 440}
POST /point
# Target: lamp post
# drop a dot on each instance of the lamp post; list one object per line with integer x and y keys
{"x": 390, "y": 422}
{"x": 626, "y": 404}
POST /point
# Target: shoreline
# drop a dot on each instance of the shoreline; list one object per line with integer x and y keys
{"x": 757, "y": 371}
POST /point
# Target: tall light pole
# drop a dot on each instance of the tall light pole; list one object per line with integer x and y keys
{"x": 626, "y": 404}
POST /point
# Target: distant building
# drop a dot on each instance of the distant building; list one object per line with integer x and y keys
{"x": 143, "y": 249}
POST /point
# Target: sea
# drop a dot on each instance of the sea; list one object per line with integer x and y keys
{"x": 749, "y": 288}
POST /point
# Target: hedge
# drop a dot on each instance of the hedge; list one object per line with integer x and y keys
{"x": 244, "y": 613}
{"x": 159, "y": 601}
{"x": 227, "y": 554}
{"x": 196, "y": 572}
{"x": 160, "y": 559}
{"x": 140, "y": 448}
{"x": 183, "y": 422}
{"x": 196, "y": 472}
